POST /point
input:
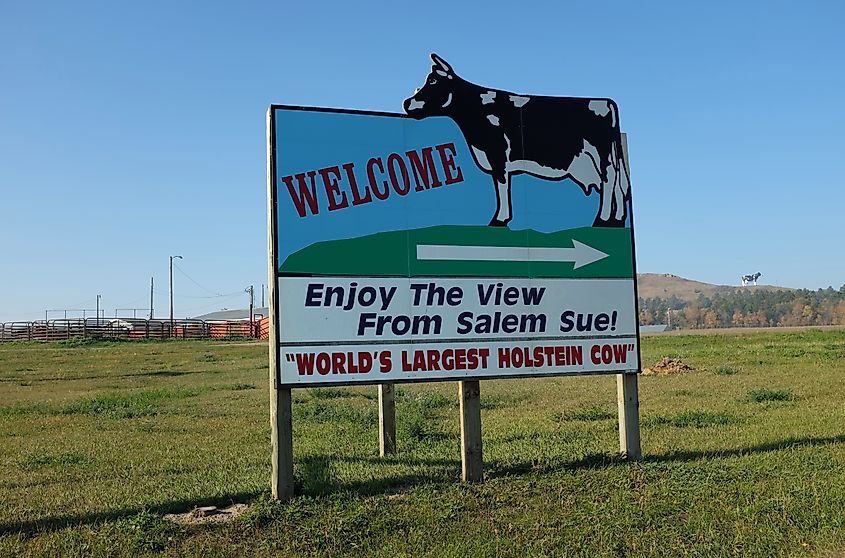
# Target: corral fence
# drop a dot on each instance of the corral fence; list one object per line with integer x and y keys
{"x": 131, "y": 328}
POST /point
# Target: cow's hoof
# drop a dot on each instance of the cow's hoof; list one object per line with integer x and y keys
{"x": 609, "y": 223}
{"x": 496, "y": 223}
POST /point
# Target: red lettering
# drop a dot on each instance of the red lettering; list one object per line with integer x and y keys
{"x": 576, "y": 355}
{"x": 353, "y": 184}
{"x": 448, "y": 359}
{"x": 461, "y": 359}
{"x": 332, "y": 189}
{"x": 338, "y": 363}
{"x": 376, "y": 161}
{"x": 433, "y": 361}
{"x": 305, "y": 364}
{"x": 547, "y": 355}
{"x": 350, "y": 361}
{"x": 485, "y": 354}
{"x": 419, "y": 361}
{"x": 323, "y": 363}
{"x": 448, "y": 162}
{"x": 380, "y": 180}
{"x": 606, "y": 354}
{"x": 539, "y": 357}
{"x": 365, "y": 363}
{"x": 620, "y": 353}
{"x": 305, "y": 195}
{"x": 421, "y": 169}
{"x": 385, "y": 362}
{"x": 472, "y": 359}
{"x": 392, "y": 161}
{"x": 504, "y": 357}
{"x": 518, "y": 358}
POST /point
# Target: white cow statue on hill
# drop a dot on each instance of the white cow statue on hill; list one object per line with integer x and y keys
{"x": 746, "y": 279}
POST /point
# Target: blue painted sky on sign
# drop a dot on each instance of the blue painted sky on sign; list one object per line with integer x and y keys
{"x": 310, "y": 140}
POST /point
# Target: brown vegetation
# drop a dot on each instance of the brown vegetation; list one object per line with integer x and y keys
{"x": 667, "y": 366}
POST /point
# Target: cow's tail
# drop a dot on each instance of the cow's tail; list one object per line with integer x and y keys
{"x": 622, "y": 181}
{"x": 621, "y": 160}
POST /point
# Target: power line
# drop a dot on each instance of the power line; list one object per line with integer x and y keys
{"x": 78, "y": 304}
{"x": 230, "y": 295}
{"x": 194, "y": 281}
{"x": 204, "y": 309}
{"x": 129, "y": 304}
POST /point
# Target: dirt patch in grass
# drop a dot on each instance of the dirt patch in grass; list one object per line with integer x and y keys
{"x": 207, "y": 514}
{"x": 667, "y": 366}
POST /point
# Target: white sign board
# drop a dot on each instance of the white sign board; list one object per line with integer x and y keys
{"x": 482, "y": 234}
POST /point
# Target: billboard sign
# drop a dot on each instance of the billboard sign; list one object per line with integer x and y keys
{"x": 478, "y": 234}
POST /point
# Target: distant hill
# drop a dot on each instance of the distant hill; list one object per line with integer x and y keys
{"x": 664, "y": 285}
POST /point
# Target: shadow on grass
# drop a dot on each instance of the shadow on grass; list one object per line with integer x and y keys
{"x": 57, "y": 523}
{"x": 605, "y": 460}
{"x": 151, "y": 373}
{"x": 315, "y": 479}
{"x": 786, "y": 443}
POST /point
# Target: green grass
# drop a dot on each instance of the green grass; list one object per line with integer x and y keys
{"x": 240, "y": 386}
{"x": 695, "y": 419}
{"x": 44, "y": 460}
{"x": 726, "y": 371}
{"x": 589, "y": 414}
{"x": 762, "y": 395}
{"x": 119, "y": 405}
{"x": 98, "y": 441}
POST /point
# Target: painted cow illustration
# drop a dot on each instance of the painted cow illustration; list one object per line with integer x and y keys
{"x": 553, "y": 138}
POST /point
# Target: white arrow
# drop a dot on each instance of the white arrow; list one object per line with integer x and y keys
{"x": 580, "y": 253}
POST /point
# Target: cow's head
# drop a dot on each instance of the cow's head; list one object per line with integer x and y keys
{"x": 435, "y": 96}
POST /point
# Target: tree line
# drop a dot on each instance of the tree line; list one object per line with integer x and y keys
{"x": 748, "y": 308}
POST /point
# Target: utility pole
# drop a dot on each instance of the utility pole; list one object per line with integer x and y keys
{"x": 262, "y": 296}
{"x": 151, "y": 298}
{"x": 171, "y": 292}
{"x": 251, "y": 291}
{"x": 98, "y": 310}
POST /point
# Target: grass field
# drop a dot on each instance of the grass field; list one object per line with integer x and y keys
{"x": 743, "y": 456}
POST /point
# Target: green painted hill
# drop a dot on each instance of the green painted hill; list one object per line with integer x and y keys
{"x": 394, "y": 253}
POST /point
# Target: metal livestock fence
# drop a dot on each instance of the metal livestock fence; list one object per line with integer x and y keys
{"x": 130, "y": 328}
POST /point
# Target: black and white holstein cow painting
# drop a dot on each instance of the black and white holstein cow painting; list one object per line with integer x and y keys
{"x": 751, "y": 278}
{"x": 552, "y": 138}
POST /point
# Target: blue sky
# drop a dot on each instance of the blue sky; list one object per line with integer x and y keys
{"x": 130, "y": 132}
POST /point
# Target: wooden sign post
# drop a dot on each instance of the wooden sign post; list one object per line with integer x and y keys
{"x": 281, "y": 421}
{"x": 472, "y": 464}
{"x": 386, "y": 420}
{"x": 628, "y": 405}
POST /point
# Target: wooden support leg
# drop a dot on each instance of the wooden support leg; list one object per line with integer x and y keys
{"x": 282, "y": 439}
{"x": 386, "y": 420}
{"x": 472, "y": 465}
{"x": 628, "y": 403}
